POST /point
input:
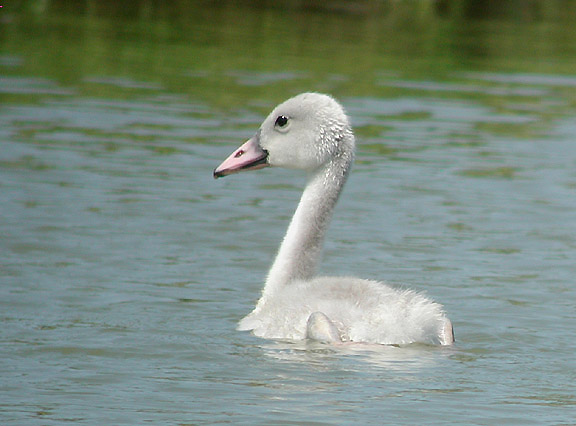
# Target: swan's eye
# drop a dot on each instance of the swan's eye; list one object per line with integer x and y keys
{"x": 281, "y": 122}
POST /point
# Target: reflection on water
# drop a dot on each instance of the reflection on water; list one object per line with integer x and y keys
{"x": 219, "y": 51}
{"x": 357, "y": 356}
{"x": 125, "y": 267}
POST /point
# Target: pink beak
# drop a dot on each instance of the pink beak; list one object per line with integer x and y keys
{"x": 250, "y": 156}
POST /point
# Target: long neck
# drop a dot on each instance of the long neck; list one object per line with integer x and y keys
{"x": 301, "y": 249}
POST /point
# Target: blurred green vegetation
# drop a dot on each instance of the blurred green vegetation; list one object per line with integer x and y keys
{"x": 212, "y": 50}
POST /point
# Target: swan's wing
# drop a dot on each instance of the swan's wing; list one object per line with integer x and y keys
{"x": 447, "y": 333}
{"x": 320, "y": 328}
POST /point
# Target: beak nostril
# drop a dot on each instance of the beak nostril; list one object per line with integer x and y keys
{"x": 240, "y": 153}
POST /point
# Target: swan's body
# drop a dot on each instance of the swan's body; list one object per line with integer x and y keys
{"x": 312, "y": 132}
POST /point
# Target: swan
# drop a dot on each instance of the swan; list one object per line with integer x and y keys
{"x": 311, "y": 132}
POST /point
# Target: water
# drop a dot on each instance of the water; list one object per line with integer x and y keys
{"x": 125, "y": 267}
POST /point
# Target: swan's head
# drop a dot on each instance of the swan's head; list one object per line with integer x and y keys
{"x": 304, "y": 132}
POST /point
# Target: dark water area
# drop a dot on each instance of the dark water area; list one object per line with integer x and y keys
{"x": 209, "y": 48}
{"x": 125, "y": 267}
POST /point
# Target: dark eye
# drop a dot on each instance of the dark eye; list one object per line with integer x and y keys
{"x": 281, "y": 121}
